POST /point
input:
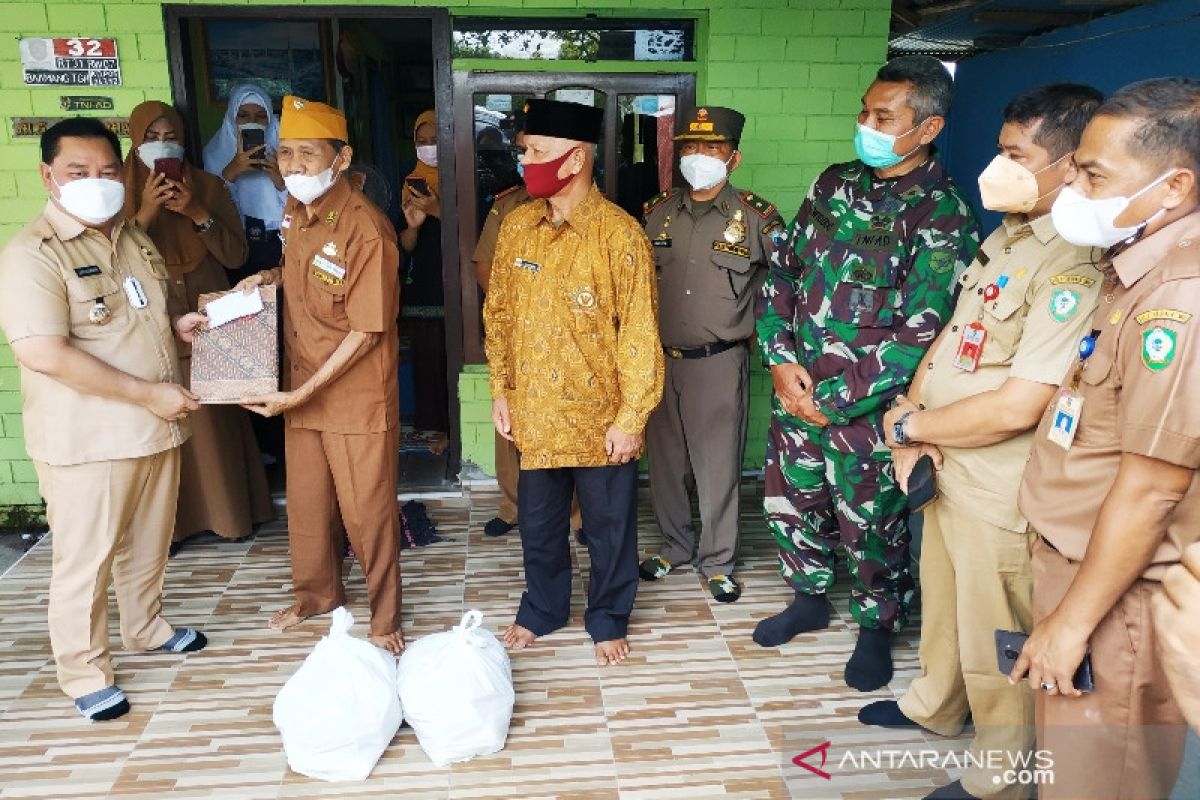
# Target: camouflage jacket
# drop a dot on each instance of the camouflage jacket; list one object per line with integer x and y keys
{"x": 860, "y": 285}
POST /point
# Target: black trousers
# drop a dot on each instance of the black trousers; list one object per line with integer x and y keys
{"x": 608, "y": 502}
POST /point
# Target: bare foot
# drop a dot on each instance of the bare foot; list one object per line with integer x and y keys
{"x": 611, "y": 652}
{"x": 287, "y": 618}
{"x": 392, "y": 642}
{"x": 518, "y": 638}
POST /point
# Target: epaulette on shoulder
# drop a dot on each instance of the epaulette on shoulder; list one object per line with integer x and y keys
{"x": 507, "y": 191}
{"x": 764, "y": 208}
{"x": 656, "y": 201}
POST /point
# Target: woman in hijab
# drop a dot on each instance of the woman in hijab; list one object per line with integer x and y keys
{"x": 423, "y": 309}
{"x": 195, "y": 226}
{"x": 252, "y": 174}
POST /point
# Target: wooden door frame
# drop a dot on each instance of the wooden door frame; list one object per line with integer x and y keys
{"x": 178, "y": 51}
{"x": 467, "y": 83}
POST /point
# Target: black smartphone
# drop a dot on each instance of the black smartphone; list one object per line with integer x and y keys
{"x": 1008, "y": 650}
{"x": 419, "y": 186}
{"x": 171, "y": 168}
{"x": 922, "y": 485}
{"x": 252, "y": 138}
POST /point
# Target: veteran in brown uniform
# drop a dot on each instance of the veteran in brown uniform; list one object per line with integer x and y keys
{"x": 973, "y": 406}
{"x": 1111, "y": 485}
{"x": 342, "y": 408}
{"x": 711, "y": 245}
{"x": 575, "y": 369}
{"x": 83, "y": 302}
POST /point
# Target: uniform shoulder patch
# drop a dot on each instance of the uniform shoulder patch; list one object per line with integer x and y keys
{"x": 656, "y": 201}
{"x": 764, "y": 208}
{"x": 506, "y": 192}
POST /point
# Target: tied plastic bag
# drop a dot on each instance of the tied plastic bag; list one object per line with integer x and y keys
{"x": 457, "y": 692}
{"x": 339, "y": 712}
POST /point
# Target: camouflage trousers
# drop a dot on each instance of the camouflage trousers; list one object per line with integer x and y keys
{"x": 817, "y": 498}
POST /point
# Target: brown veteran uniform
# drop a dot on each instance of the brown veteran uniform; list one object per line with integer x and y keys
{"x": 109, "y": 470}
{"x": 340, "y": 275}
{"x": 1033, "y": 293}
{"x": 711, "y": 258}
{"x": 1125, "y": 739}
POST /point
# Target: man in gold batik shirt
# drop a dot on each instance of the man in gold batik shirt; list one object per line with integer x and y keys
{"x": 576, "y": 368}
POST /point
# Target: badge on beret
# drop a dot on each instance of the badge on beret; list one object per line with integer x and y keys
{"x": 1158, "y": 348}
{"x": 297, "y": 104}
{"x": 1063, "y": 304}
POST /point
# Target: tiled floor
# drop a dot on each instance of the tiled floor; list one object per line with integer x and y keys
{"x": 697, "y": 711}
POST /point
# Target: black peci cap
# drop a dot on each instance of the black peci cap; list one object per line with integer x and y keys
{"x": 564, "y": 120}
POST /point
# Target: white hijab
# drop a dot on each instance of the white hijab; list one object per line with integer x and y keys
{"x": 254, "y": 194}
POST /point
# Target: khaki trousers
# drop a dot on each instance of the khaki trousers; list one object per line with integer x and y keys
{"x": 1126, "y": 739}
{"x": 975, "y": 578}
{"x": 356, "y": 472}
{"x": 508, "y": 469}
{"x": 112, "y": 522}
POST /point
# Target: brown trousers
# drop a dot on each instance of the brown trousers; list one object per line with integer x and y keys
{"x": 112, "y": 522}
{"x": 356, "y": 472}
{"x": 1126, "y": 739}
{"x": 508, "y": 469}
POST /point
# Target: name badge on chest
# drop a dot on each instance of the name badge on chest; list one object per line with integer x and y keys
{"x": 135, "y": 292}
{"x": 322, "y": 263}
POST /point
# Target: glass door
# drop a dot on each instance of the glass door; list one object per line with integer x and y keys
{"x": 635, "y": 157}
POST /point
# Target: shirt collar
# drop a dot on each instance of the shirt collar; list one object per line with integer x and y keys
{"x": 582, "y": 216}
{"x": 66, "y": 227}
{"x": 930, "y": 171}
{"x": 725, "y": 202}
{"x": 1136, "y": 261}
{"x": 1043, "y": 227}
{"x": 332, "y": 202}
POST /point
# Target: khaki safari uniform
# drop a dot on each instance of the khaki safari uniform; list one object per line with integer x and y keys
{"x": 975, "y": 568}
{"x": 109, "y": 470}
{"x": 1125, "y": 739}
{"x": 711, "y": 260}
{"x": 339, "y": 275}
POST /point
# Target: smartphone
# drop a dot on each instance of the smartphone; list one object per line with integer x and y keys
{"x": 252, "y": 138}
{"x": 1008, "y": 650}
{"x": 419, "y": 186}
{"x": 922, "y": 485}
{"x": 171, "y": 168}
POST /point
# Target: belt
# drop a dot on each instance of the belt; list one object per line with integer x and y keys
{"x": 700, "y": 352}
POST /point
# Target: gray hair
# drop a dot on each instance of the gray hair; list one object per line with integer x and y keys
{"x": 932, "y": 88}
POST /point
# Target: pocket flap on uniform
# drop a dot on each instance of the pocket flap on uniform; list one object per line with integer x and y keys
{"x": 732, "y": 262}
{"x": 1097, "y": 367}
{"x": 85, "y": 289}
{"x": 1005, "y": 305}
{"x": 865, "y": 306}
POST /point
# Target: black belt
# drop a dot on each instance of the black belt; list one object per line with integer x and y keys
{"x": 703, "y": 351}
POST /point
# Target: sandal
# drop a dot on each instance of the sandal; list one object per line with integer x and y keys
{"x": 653, "y": 568}
{"x": 724, "y": 588}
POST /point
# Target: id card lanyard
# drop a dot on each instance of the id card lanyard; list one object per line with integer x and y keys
{"x": 1068, "y": 407}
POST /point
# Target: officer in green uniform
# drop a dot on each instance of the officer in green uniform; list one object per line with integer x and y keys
{"x": 711, "y": 246}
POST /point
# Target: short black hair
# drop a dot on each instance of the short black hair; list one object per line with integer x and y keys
{"x": 336, "y": 144}
{"x": 78, "y": 127}
{"x": 1169, "y": 112}
{"x": 932, "y": 87}
{"x": 1063, "y": 109}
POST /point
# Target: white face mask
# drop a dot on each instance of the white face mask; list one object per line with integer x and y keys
{"x": 307, "y": 188}
{"x": 149, "y": 152}
{"x": 427, "y": 153}
{"x": 93, "y": 200}
{"x": 1087, "y": 222}
{"x": 703, "y": 172}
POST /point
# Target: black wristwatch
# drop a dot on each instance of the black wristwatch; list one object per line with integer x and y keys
{"x": 205, "y": 226}
{"x": 898, "y": 432}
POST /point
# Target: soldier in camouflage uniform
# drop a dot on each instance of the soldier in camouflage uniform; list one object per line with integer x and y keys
{"x": 858, "y": 289}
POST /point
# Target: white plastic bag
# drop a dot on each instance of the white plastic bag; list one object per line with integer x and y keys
{"x": 457, "y": 692}
{"x": 339, "y": 712}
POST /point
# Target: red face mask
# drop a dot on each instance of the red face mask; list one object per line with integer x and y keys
{"x": 541, "y": 180}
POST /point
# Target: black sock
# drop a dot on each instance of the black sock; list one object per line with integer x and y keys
{"x": 870, "y": 667}
{"x": 808, "y": 612}
{"x": 885, "y": 714}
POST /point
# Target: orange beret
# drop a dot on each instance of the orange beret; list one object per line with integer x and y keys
{"x": 308, "y": 119}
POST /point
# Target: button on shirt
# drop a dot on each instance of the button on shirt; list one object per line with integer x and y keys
{"x": 708, "y": 280}
{"x": 1033, "y": 330}
{"x": 341, "y": 273}
{"x": 572, "y": 330}
{"x": 52, "y": 274}
{"x": 1139, "y": 396}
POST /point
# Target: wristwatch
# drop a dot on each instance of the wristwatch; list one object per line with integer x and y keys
{"x": 898, "y": 432}
{"x": 203, "y": 227}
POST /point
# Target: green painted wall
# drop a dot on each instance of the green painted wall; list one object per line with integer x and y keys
{"x": 795, "y": 67}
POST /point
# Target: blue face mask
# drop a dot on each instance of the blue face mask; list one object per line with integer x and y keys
{"x": 876, "y": 149}
{"x": 521, "y": 170}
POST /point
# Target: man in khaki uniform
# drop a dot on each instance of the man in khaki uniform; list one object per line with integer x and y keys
{"x": 1029, "y": 294}
{"x": 342, "y": 406}
{"x": 1111, "y": 483}
{"x": 84, "y": 305}
{"x": 711, "y": 245}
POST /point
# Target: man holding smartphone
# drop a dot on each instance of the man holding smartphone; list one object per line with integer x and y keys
{"x": 972, "y": 407}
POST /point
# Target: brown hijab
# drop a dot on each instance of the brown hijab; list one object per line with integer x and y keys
{"x": 422, "y": 170}
{"x": 173, "y": 235}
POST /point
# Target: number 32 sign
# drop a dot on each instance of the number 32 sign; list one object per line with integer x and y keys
{"x": 78, "y": 61}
